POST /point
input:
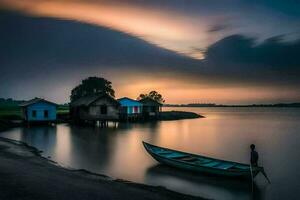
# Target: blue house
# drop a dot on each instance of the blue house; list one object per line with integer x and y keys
{"x": 38, "y": 110}
{"x": 130, "y": 108}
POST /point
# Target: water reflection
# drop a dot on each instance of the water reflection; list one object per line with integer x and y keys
{"x": 63, "y": 144}
{"x": 91, "y": 148}
{"x": 42, "y": 137}
{"x": 225, "y": 133}
{"x": 216, "y": 187}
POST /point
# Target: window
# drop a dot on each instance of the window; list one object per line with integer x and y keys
{"x": 46, "y": 113}
{"x": 103, "y": 110}
{"x": 34, "y": 113}
{"x": 136, "y": 109}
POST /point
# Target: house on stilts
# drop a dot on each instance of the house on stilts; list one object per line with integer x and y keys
{"x": 131, "y": 110}
{"x": 98, "y": 109}
{"x": 151, "y": 109}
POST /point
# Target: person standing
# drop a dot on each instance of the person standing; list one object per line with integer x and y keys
{"x": 254, "y": 156}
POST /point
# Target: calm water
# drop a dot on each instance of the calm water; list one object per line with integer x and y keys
{"x": 225, "y": 133}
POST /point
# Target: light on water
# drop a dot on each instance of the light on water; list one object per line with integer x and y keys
{"x": 225, "y": 133}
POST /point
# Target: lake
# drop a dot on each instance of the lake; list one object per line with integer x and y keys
{"x": 225, "y": 133}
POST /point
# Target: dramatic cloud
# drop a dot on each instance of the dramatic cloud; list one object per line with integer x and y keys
{"x": 218, "y": 28}
{"x": 41, "y": 56}
{"x": 37, "y": 51}
{"x": 177, "y": 25}
{"x": 272, "y": 60}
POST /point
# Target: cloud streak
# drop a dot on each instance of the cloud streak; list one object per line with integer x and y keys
{"x": 150, "y": 24}
{"x": 176, "y": 25}
{"x": 47, "y": 57}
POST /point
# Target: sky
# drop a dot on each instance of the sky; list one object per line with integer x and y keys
{"x": 227, "y": 52}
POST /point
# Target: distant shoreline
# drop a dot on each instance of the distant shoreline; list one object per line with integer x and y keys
{"x": 278, "y": 105}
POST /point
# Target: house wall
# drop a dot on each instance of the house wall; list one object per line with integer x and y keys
{"x": 134, "y": 109}
{"x": 93, "y": 112}
{"x": 39, "y": 108}
{"x": 152, "y": 110}
{"x": 130, "y": 106}
{"x": 150, "y": 107}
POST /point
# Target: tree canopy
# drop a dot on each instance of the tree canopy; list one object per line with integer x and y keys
{"x": 92, "y": 86}
{"x": 153, "y": 95}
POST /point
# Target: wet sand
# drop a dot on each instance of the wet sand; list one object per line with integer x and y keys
{"x": 25, "y": 174}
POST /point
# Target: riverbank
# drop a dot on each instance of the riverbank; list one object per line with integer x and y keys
{"x": 7, "y": 124}
{"x": 24, "y": 174}
{"x": 177, "y": 115}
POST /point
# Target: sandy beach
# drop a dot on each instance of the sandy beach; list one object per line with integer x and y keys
{"x": 25, "y": 174}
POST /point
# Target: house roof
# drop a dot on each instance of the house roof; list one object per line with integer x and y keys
{"x": 34, "y": 101}
{"x": 88, "y": 100}
{"x": 150, "y": 102}
{"x": 125, "y": 101}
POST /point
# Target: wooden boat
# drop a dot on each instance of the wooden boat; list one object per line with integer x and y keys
{"x": 200, "y": 163}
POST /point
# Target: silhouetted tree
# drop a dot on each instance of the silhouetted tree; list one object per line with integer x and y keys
{"x": 91, "y": 86}
{"x": 153, "y": 95}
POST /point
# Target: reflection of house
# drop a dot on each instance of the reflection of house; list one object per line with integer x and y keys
{"x": 38, "y": 110}
{"x": 130, "y": 109}
{"x": 102, "y": 108}
{"x": 151, "y": 108}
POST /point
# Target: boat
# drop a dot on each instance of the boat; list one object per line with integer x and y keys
{"x": 202, "y": 164}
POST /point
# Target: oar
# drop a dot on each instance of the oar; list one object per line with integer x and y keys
{"x": 265, "y": 175}
{"x": 251, "y": 177}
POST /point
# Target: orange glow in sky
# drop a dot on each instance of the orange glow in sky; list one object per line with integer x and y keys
{"x": 185, "y": 33}
{"x": 179, "y": 91}
{"x": 166, "y": 29}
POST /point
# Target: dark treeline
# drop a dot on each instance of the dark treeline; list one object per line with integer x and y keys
{"x": 10, "y": 102}
{"x": 13, "y": 102}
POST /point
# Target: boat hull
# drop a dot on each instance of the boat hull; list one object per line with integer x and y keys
{"x": 246, "y": 173}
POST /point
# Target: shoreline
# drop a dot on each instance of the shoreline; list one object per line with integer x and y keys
{"x": 8, "y": 122}
{"x": 178, "y": 115}
{"x": 24, "y": 169}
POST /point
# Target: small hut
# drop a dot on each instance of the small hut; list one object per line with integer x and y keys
{"x": 130, "y": 109}
{"x": 151, "y": 108}
{"x": 38, "y": 110}
{"x": 100, "y": 108}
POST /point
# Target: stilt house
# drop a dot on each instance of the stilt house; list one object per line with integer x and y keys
{"x": 130, "y": 109}
{"x": 102, "y": 108}
{"x": 151, "y": 108}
